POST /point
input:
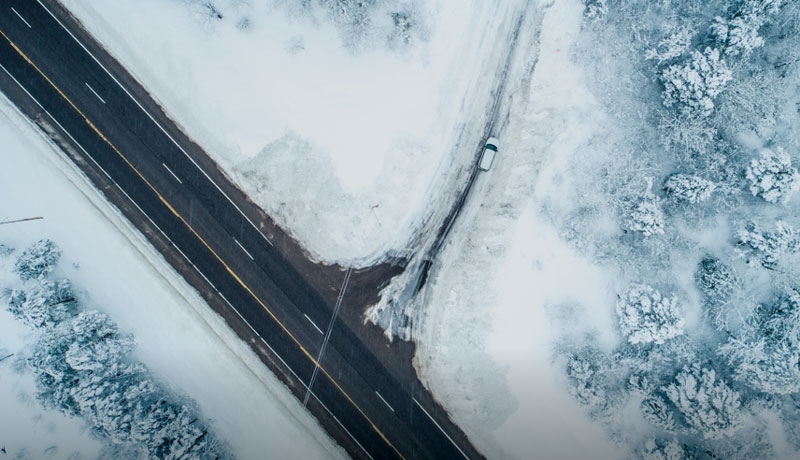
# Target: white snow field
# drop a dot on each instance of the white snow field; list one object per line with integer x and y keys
{"x": 115, "y": 270}
{"x": 500, "y": 294}
{"x": 282, "y": 103}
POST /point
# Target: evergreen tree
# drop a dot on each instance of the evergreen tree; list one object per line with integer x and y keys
{"x": 81, "y": 369}
{"x": 715, "y": 280}
{"x": 47, "y": 303}
{"x": 738, "y": 35}
{"x": 645, "y": 215}
{"x": 38, "y": 260}
{"x": 661, "y": 450}
{"x": 657, "y": 411}
{"x": 689, "y": 188}
{"x": 769, "y": 246}
{"x": 671, "y": 47}
{"x": 645, "y": 315}
{"x": 693, "y": 84}
{"x": 772, "y": 176}
{"x": 706, "y": 403}
{"x": 593, "y": 382}
{"x": 765, "y": 353}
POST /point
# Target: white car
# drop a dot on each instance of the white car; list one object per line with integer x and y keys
{"x": 489, "y": 151}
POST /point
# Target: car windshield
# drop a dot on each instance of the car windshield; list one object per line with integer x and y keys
{"x": 491, "y": 147}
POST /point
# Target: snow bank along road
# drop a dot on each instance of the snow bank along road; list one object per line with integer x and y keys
{"x": 294, "y": 314}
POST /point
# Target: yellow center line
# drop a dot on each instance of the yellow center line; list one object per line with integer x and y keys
{"x": 202, "y": 240}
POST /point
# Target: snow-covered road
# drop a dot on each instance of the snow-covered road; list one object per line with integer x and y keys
{"x": 399, "y": 301}
{"x": 485, "y": 333}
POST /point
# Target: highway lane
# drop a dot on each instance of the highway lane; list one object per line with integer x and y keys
{"x": 173, "y": 227}
{"x": 233, "y": 255}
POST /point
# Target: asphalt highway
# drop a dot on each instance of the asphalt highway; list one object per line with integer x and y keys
{"x": 288, "y": 309}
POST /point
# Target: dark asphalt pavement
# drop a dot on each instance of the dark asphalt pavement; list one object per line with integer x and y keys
{"x": 251, "y": 273}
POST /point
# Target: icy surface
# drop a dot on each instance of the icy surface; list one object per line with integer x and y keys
{"x": 181, "y": 340}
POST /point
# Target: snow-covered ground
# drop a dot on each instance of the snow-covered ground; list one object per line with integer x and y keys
{"x": 485, "y": 336}
{"x": 27, "y": 430}
{"x": 113, "y": 269}
{"x": 544, "y": 250}
{"x": 519, "y": 319}
{"x": 281, "y": 99}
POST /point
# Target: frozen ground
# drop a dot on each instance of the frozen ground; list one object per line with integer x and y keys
{"x": 485, "y": 337}
{"x": 114, "y": 270}
{"x": 282, "y": 99}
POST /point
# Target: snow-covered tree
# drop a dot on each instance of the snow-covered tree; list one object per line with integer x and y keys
{"x": 592, "y": 381}
{"x": 583, "y": 374}
{"x": 38, "y": 260}
{"x": 715, "y": 280}
{"x": 761, "y": 7}
{"x": 657, "y": 411}
{"x": 96, "y": 342}
{"x": 110, "y": 399}
{"x": 689, "y": 188}
{"x": 763, "y": 365}
{"x": 647, "y": 316}
{"x": 645, "y": 214}
{"x": 646, "y": 217}
{"x": 399, "y": 23}
{"x": 80, "y": 369}
{"x": 661, "y": 450}
{"x": 595, "y": 9}
{"x": 707, "y": 404}
{"x": 89, "y": 341}
{"x": 765, "y": 353}
{"x": 45, "y": 304}
{"x": 772, "y": 176}
{"x": 769, "y": 246}
{"x": 172, "y": 432}
{"x": 671, "y": 47}
{"x": 54, "y": 377}
{"x": 780, "y": 321}
{"x": 694, "y": 83}
{"x": 739, "y": 35}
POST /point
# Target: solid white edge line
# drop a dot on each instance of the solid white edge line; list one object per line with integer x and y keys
{"x": 70, "y": 136}
{"x": 259, "y": 336}
{"x": 23, "y": 19}
{"x": 384, "y": 401}
{"x": 440, "y": 427}
{"x": 153, "y": 120}
{"x": 176, "y": 247}
{"x": 112, "y": 180}
{"x": 173, "y": 174}
{"x": 345, "y": 429}
{"x": 94, "y": 92}
{"x": 314, "y": 324}
{"x": 243, "y": 249}
{"x": 207, "y": 280}
{"x": 296, "y": 376}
